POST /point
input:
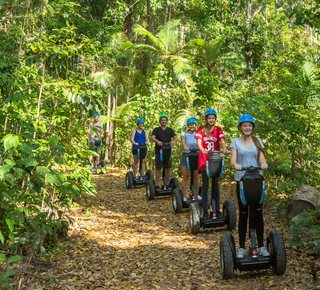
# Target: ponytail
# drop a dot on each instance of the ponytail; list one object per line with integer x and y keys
{"x": 258, "y": 145}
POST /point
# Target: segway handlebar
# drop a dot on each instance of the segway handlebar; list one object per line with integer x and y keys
{"x": 217, "y": 151}
{"x": 250, "y": 168}
{"x": 165, "y": 144}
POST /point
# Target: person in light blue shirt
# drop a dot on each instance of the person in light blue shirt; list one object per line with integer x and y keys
{"x": 189, "y": 142}
{"x": 248, "y": 151}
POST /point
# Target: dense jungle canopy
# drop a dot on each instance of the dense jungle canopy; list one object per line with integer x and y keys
{"x": 62, "y": 61}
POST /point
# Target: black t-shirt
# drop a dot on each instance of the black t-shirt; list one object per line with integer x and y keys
{"x": 163, "y": 136}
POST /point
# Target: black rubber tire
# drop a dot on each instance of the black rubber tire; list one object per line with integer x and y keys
{"x": 129, "y": 180}
{"x": 194, "y": 219}
{"x": 277, "y": 251}
{"x": 174, "y": 182}
{"x": 150, "y": 189}
{"x": 176, "y": 200}
{"x": 230, "y": 213}
{"x": 149, "y": 174}
{"x": 103, "y": 163}
{"x": 226, "y": 256}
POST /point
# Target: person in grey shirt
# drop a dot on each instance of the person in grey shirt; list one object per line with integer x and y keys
{"x": 248, "y": 151}
{"x": 189, "y": 142}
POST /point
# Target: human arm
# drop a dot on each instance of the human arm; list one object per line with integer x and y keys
{"x": 132, "y": 137}
{"x": 174, "y": 141}
{"x": 263, "y": 162}
{"x": 233, "y": 160}
{"x": 204, "y": 151}
{"x": 89, "y": 131}
{"x": 183, "y": 142}
{"x": 147, "y": 139}
{"x": 153, "y": 139}
{"x": 224, "y": 146}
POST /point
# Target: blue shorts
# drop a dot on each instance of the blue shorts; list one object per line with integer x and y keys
{"x": 184, "y": 159}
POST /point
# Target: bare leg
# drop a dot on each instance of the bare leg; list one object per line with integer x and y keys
{"x": 91, "y": 161}
{"x": 135, "y": 164}
{"x": 157, "y": 176}
{"x": 98, "y": 160}
{"x": 168, "y": 176}
{"x": 196, "y": 182}
{"x": 185, "y": 179}
{"x": 143, "y": 168}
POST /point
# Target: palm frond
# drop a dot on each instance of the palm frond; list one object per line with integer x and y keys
{"x": 144, "y": 32}
{"x": 169, "y": 35}
{"x": 309, "y": 71}
{"x": 104, "y": 78}
{"x": 181, "y": 67}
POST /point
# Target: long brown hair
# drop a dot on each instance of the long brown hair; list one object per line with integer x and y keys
{"x": 258, "y": 145}
{"x": 206, "y": 128}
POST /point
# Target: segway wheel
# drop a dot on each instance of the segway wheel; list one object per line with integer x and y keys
{"x": 174, "y": 182}
{"x": 129, "y": 180}
{"x": 149, "y": 174}
{"x": 230, "y": 213}
{"x": 194, "y": 219}
{"x": 150, "y": 189}
{"x": 176, "y": 200}
{"x": 277, "y": 251}
{"x": 227, "y": 256}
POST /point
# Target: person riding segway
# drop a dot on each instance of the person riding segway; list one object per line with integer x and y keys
{"x": 189, "y": 165}
{"x": 211, "y": 166}
{"x": 95, "y": 131}
{"x": 248, "y": 151}
{"x": 163, "y": 151}
{"x": 140, "y": 140}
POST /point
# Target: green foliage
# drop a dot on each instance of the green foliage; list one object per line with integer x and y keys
{"x": 6, "y": 274}
{"x": 305, "y": 231}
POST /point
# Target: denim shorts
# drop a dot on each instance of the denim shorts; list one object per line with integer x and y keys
{"x": 184, "y": 159}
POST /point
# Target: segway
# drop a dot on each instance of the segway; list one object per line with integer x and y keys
{"x": 166, "y": 189}
{"x": 177, "y": 196}
{"x": 214, "y": 169}
{"x": 142, "y": 153}
{"x": 97, "y": 145}
{"x": 252, "y": 187}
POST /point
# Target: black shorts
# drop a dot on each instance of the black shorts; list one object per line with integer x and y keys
{"x": 94, "y": 148}
{"x": 159, "y": 163}
{"x": 134, "y": 151}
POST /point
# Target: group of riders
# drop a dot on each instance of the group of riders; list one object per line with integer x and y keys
{"x": 247, "y": 150}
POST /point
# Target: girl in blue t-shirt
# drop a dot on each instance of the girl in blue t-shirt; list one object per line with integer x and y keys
{"x": 138, "y": 136}
{"x": 248, "y": 151}
{"x": 188, "y": 142}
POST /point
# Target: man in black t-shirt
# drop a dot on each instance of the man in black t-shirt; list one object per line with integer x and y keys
{"x": 161, "y": 135}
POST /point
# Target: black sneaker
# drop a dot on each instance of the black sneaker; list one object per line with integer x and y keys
{"x": 205, "y": 215}
{"x": 219, "y": 214}
{"x": 157, "y": 187}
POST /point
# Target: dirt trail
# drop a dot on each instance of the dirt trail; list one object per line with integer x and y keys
{"x": 122, "y": 241}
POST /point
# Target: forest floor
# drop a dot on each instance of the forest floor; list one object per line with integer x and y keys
{"x": 119, "y": 240}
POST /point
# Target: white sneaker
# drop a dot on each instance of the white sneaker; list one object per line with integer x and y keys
{"x": 184, "y": 199}
{"x": 263, "y": 252}
{"x": 241, "y": 253}
{"x": 199, "y": 197}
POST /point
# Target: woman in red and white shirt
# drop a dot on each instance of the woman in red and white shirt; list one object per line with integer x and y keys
{"x": 210, "y": 137}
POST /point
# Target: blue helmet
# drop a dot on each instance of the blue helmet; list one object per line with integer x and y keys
{"x": 210, "y": 112}
{"x": 191, "y": 121}
{"x": 140, "y": 121}
{"x": 96, "y": 114}
{"x": 246, "y": 118}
